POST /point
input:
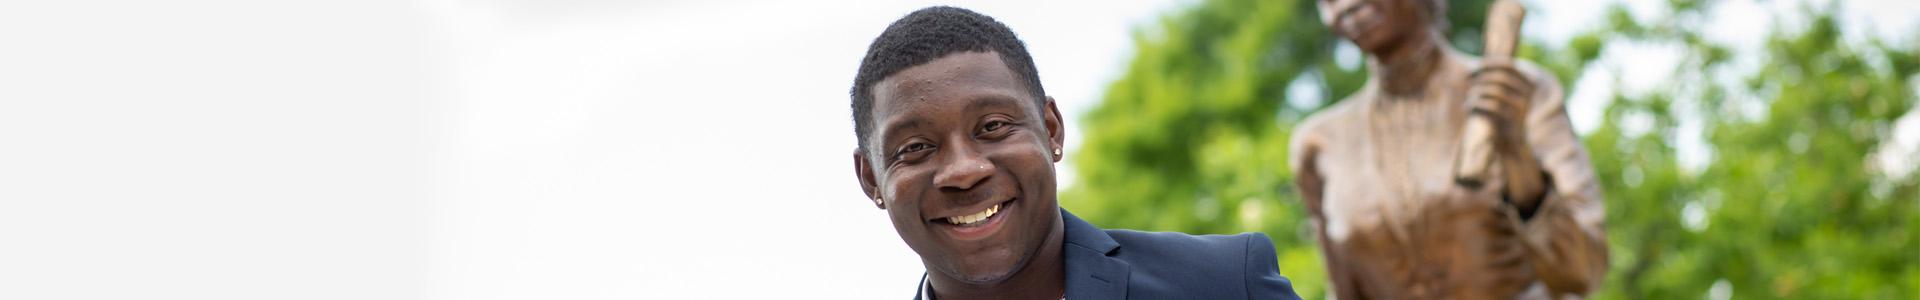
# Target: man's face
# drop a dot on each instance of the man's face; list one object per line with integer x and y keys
{"x": 961, "y": 140}
{"x": 1374, "y": 25}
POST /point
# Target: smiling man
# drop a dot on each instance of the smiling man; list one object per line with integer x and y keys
{"x": 957, "y": 142}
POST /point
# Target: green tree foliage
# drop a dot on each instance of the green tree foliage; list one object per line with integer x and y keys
{"x": 1194, "y": 137}
{"x": 1790, "y": 206}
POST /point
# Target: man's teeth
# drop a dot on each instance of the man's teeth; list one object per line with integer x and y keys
{"x": 976, "y": 217}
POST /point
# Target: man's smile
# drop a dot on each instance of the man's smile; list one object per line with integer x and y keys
{"x": 969, "y": 220}
{"x": 977, "y": 224}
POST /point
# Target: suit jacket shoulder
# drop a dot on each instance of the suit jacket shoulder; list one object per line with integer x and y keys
{"x": 1183, "y": 257}
{"x": 1172, "y": 265}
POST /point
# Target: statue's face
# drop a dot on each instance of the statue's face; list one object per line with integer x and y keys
{"x": 1375, "y": 25}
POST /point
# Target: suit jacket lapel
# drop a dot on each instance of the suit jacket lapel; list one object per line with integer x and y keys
{"x": 1091, "y": 272}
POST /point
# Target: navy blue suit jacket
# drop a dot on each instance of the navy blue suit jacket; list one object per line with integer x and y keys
{"x": 1128, "y": 264}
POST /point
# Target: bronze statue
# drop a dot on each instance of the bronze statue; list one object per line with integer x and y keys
{"x": 1447, "y": 175}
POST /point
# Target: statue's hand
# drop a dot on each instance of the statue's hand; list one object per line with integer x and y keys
{"x": 1505, "y": 95}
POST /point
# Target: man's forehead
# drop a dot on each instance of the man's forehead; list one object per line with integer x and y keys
{"x": 961, "y": 76}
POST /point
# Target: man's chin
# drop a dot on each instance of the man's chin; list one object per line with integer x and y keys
{"x": 984, "y": 278}
{"x": 985, "y": 275}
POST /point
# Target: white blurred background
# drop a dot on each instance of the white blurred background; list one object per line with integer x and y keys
{"x": 507, "y": 149}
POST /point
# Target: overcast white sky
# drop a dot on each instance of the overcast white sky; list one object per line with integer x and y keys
{"x": 509, "y": 149}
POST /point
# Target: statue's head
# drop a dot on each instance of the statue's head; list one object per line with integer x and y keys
{"x": 1380, "y": 25}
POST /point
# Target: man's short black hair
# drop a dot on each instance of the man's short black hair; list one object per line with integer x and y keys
{"x": 928, "y": 34}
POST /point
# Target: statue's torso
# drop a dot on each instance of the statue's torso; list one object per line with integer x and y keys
{"x": 1392, "y": 209}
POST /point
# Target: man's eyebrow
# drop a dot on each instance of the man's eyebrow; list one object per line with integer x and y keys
{"x": 899, "y": 126}
{"x": 992, "y": 101}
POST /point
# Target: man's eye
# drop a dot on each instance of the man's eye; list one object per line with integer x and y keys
{"x": 912, "y": 151}
{"x": 993, "y": 126}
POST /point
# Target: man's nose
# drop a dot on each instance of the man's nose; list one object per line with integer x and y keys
{"x": 967, "y": 169}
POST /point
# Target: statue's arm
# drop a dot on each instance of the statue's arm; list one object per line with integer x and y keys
{"x": 1566, "y": 243}
{"x": 1303, "y": 157}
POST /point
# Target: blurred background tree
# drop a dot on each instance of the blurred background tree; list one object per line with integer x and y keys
{"x": 1193, "y": 138}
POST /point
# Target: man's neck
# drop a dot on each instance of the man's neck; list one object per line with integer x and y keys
{"x": 1404, "y": 69}
{"x": 1043, "y": 277}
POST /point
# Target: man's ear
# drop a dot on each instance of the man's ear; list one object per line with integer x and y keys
{"x": 1056, "y": 130}
{"x": 865, "y": 174}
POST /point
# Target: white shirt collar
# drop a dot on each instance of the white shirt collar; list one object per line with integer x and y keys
{"x": 926, "y": 288}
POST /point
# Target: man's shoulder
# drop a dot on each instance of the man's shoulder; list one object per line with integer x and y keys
{"x": 1234, "y": 266}
{"x": 1211, "y": 252}
{"x": 1172, "y": 265}
{"x": 1182, "y": 244}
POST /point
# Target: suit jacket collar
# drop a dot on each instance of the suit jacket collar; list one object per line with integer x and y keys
{"x": 1091, "y": 272}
